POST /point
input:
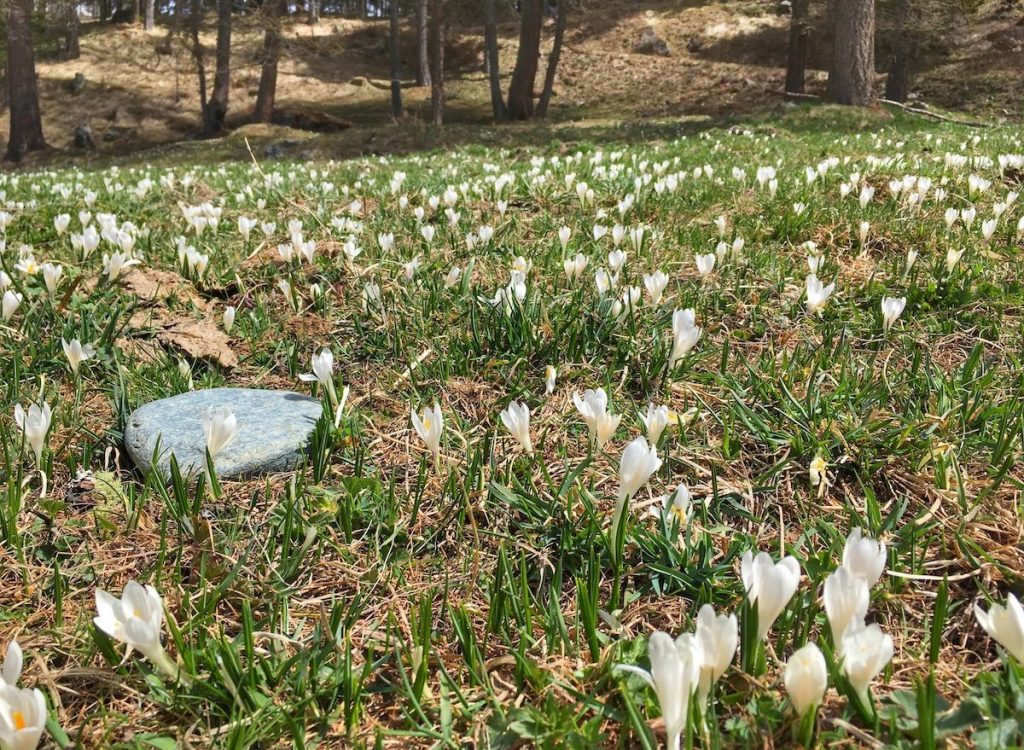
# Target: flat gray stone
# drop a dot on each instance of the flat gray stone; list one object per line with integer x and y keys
{"x": 273, "y": 431}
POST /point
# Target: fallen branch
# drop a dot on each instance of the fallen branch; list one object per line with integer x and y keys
{"x": 936, "y": 115}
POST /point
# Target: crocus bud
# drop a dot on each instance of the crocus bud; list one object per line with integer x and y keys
{"x": 1003, "y": 623}
{"x": 806, "y": 678}
{"x": 769, "y": 586}
{"x": 516, "y": 419}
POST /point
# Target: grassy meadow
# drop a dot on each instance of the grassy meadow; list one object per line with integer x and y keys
{"x": 382, "y": 596}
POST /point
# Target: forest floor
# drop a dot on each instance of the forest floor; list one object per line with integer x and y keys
{"x": 726, "y": 60}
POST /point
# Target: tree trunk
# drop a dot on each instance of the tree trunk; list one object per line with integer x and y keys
{"x": 313, "y": 10}
{"x": 556, "y": 54}
{"x": 195, "y": 19}
{"x": 74, "y": 49}
{"x": 150, "y": 20}
{"x": 491, "y": 58}
{"x": 897, "y": 83}
{"x": 422, "y": 43}
{"x": 799, "y": 37}
{"x": 217, "y": 108}
{"x": 22, "y": 95}
{"x": 851, "y": 80}
{"x": 264, "y": 111}
{"x": 104, "y": 8}
{"x": 437, "y": 21}
{"x": 396, "y": 63}
{"x": 524, "y": 76}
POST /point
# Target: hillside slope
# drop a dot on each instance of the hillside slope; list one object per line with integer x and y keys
{"x": 725, "y": 58}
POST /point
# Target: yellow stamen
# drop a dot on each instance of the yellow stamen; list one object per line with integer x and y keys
{"x": 19, "y": 720}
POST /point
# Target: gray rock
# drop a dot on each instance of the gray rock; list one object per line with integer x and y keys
{"x": 649, "y": 43}
{"x": 273, "y": 430}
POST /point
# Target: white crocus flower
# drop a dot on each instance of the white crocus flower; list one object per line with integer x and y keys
{"x": 34, "y": 424}
{"x": 77, "y": 353}
{"x": 717, "y": 638}
{"x": 51, "y": 276}
{"x": 806, "y": 678}
{"x": 516, "y": 419}
{"x": 136, "y": 619}
{"x": 574, "y": 267}
{"x": 22, "y": 717}
{"x": 769, "y": 586}
{"x": 593, "y": 407}
{"x": 9, "y": 304}
{"x": 323, "y": 371}
{"x": 429, "y": 427}
{"x": 655, "y": 421}
{"x": 846, "y": 599}
{"x": 116, "y": 264}
{"x": 563, "y": 237}
{"x": 864, "y": 557}
{"x": 220, "y": 427}
{"x": 550, "y": 374}
{"x": 866, "y": 651}
{"x": 674, "y": 678}
{"x": 953, "y": 256}
{"x": 817, "y": 294}
{"x": 228, "y": 318}
{"x": 892, "y": 308}
{"x": 655, "y": 284}
{"x": 10, "y": 672}
{"x": 452, "y": 277}
{"x": 61, "y": 222}
{"x": 705, "y": 264}
{"x": 616, "y": 260}
{"x": 685, "y": 335}
{"x": 1003, "y": 623}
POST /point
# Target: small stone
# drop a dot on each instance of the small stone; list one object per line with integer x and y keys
{"x": 273, "y": 430}
{"x": 649, "y": 43}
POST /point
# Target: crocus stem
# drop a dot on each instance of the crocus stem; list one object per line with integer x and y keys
{"x": 616, "y": 541}
{"x": 803, "y": 730}
{"x": 163, "y": 662}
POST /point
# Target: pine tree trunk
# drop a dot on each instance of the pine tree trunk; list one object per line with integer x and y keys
{"x": 491, "y": 58}
{"x": 851, "y": 80}
{"x": 104, "y": 8}
{"x": 897, "y": 83}
{"x": 313, "y": 10}
{"x": 524, "y": 76}
{"x": 264, "y": 111}
{"x": 799, "y": 38}
{"x": 74, "y": 49}
{"x": 437, "y": 21}
{"x": 150, "y": 20}
{"x": 396, "y": 63}
{"x": 26, "y": 132}
{"x": 217, "y": 108}
{"x": 556, "y": 54}
{"x": 195, "y": 19}
{"x": 422, "y": 43}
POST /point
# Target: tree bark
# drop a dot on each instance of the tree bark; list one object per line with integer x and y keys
{"x": 491, "y": 58}
{"x": 396, "y": 64}
{"x": 74, "y": 49}
{"x": 799, "y": 38}
{"x": 422, "y": 43}
{"x": 217, "y": 107}
{"x": 26, "y": 132}
{"x": 897, "y": 83}
{"x": 851, "y": 80}
{"x": 437, "y": 21}
{"x": 313, "y": 10}
{"x": 195, "y": 19}
{"x": 524, "y": 76}
{"x": 264, "y": 111}
{"x": 104, "y": 9}
{"x": 150, "y": 20}
{"x": 556, "y": 53}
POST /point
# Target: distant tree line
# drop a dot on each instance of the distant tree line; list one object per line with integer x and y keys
{"x": 850, "y": 23}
